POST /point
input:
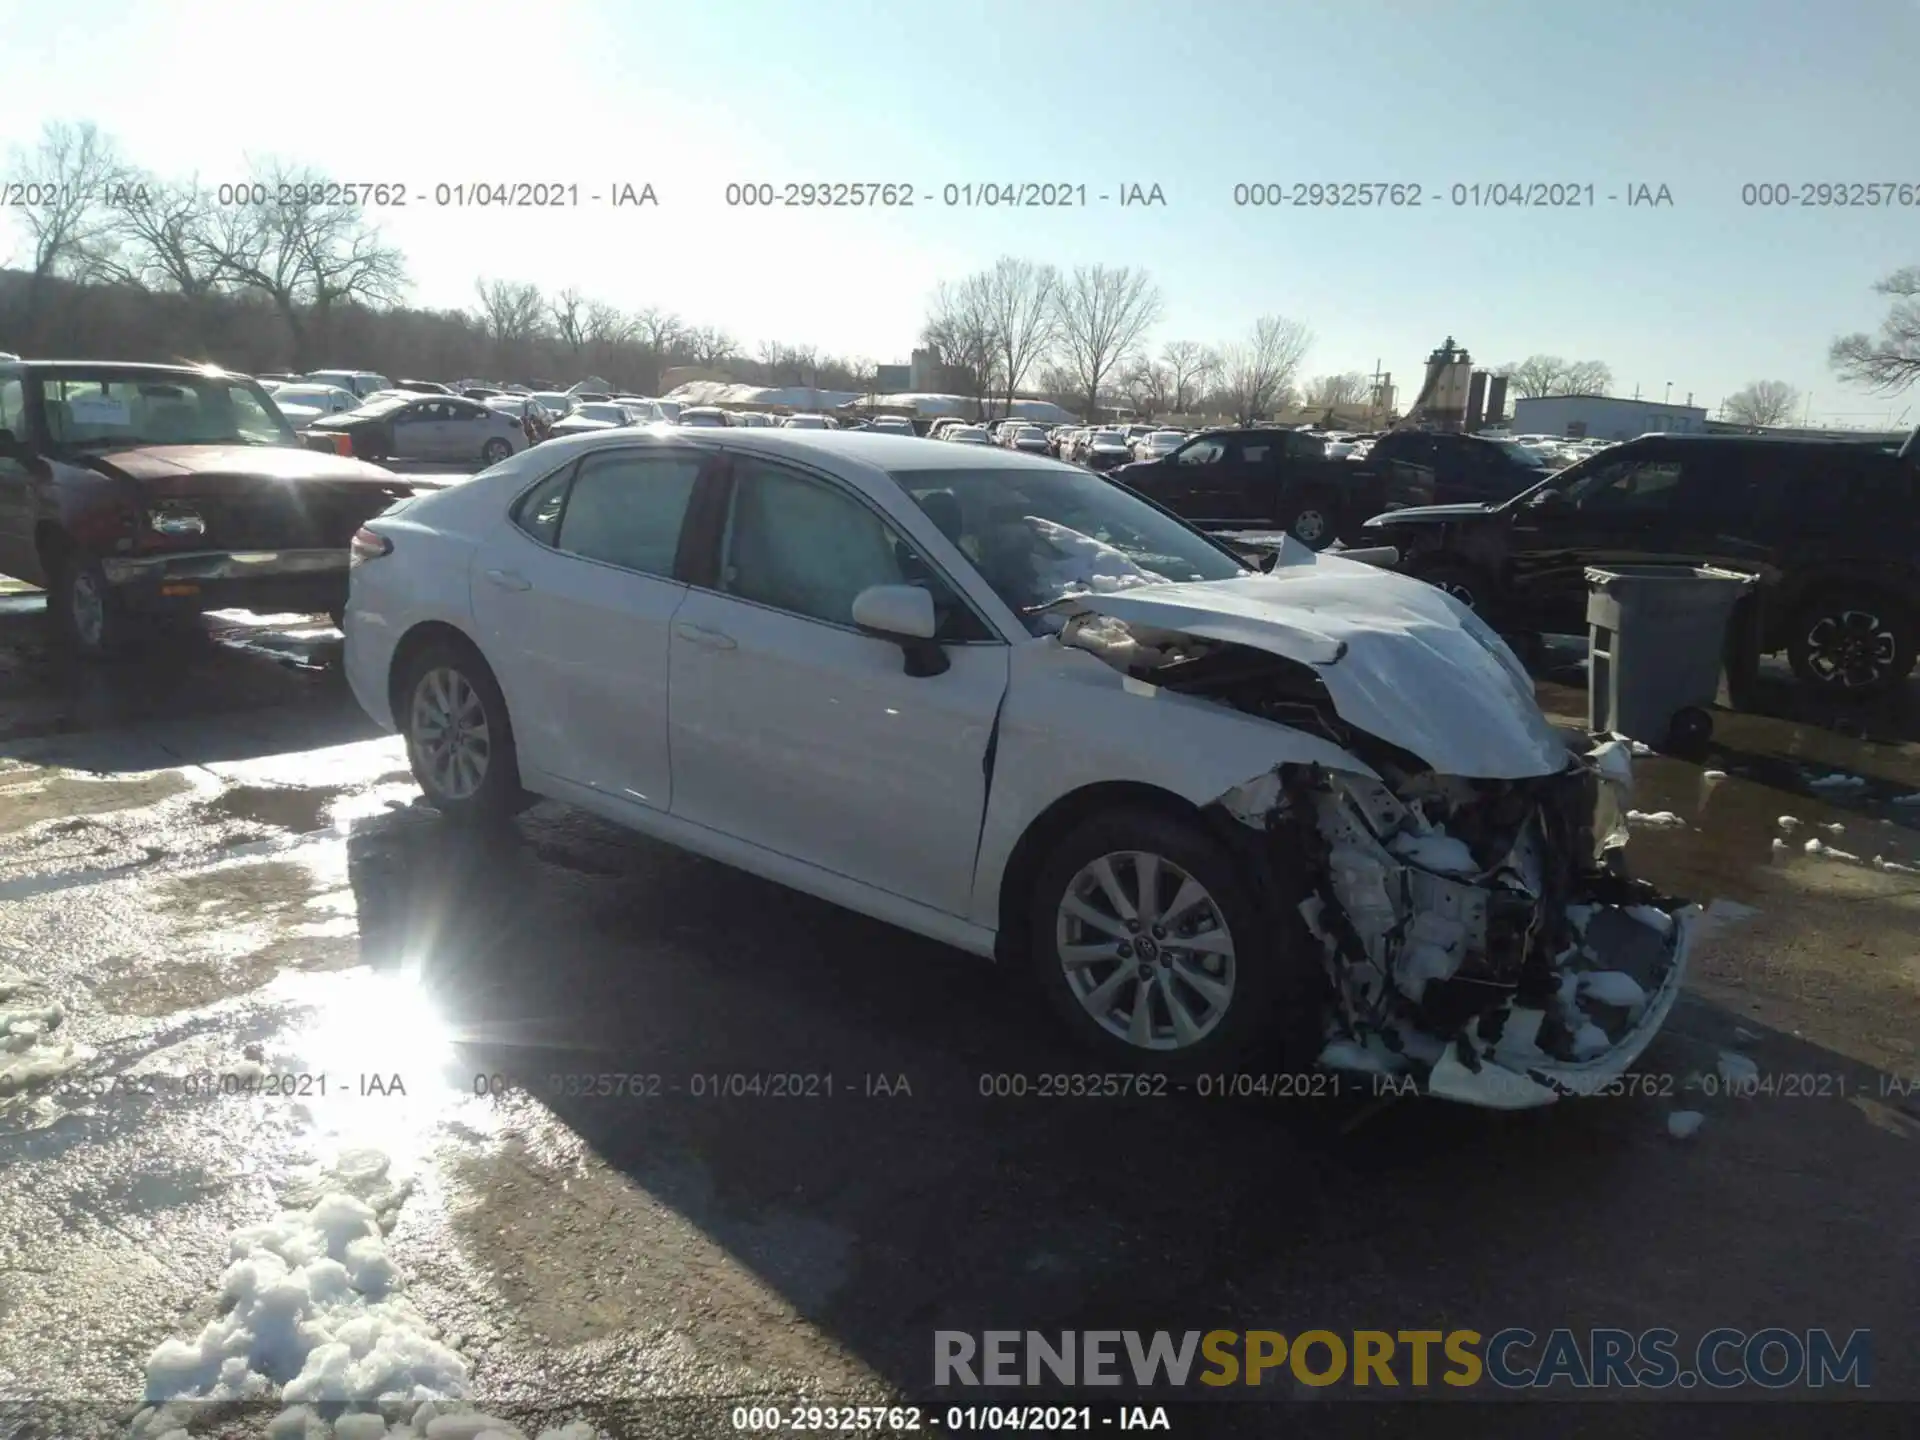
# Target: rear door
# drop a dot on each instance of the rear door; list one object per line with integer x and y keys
{"x": 1190, "y": 483}
{"x": 573, "y": 600}
{"x": 416, "y": 432}
{"x": 467, "y": 430}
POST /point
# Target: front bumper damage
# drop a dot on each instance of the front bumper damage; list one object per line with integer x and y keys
{"x": 1480, "y": 938}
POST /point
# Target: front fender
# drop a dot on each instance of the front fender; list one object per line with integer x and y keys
{"x": 1070, "y": 720}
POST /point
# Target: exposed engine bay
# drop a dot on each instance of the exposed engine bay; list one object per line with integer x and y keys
{"x": 1480, "y": 936}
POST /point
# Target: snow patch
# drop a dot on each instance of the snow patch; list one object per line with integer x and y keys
{"x": 1656, "y": 819}
{"x": 1892, "y": 867}
{"x": 1612, "y": 987}
{"x": 1685, "y": 1124}
{"x": 1713, "y": 775}
{"x": 1788, "y": 822}
{"x": 29, "y": 1055}
{"x": 1737, "y": 1071}
{"x": 1437, "y": 851}
{"x": 1913, "y": 799}
{"x": 1828, "y": 852}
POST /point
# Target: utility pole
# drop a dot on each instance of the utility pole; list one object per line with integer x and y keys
{"x": 1667, "y": 399}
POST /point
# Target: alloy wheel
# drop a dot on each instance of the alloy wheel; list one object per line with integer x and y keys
{"x": 1146, "y": 950}
{"x": 89, "y": 609}
{"x": 1851, "y": 649}
{"x": 1309, "y": 527}
{"x": 449, "y": 727}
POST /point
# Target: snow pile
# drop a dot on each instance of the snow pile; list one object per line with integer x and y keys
{"x": 1713, "y": 775}
{"x": 1612, "y": 987}
{"x": 1836, "y": 828}
{"x": 28, "y": 1054}
{"x": 310, "y": 1315}
{"x": 1827, "y": 852}
{"x": 1880, "y": 862}
{"x": 1685, "y": 1124}
{"x": 1838, "y": 781}
{"x": 1913, "y": 799}
{"x": 1788, "y": 822}
{"x": 1656, "y": 819}
{"x": 1436, "y": 851}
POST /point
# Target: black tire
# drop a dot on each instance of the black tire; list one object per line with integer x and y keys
{"x": 1852, "y": 643}
{"x": 494, "y": 451}
{"x": 338, "y": 615}
{"x": 373, "y": 445}
{"x": 1262, "y": 951}
{"x": 497, "y": 796}
{"x": 88, "y": 616}
{"x": 1316, "y": 524}
{"x": 1463, "y": 582}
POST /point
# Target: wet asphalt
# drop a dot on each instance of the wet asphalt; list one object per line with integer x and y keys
{"x": 208, "y": 854}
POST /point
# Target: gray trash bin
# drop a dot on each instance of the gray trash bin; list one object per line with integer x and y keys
{"x": 1656, "y": 639}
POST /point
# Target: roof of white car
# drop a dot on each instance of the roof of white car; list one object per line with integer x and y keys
{"x": 879, "y": 449}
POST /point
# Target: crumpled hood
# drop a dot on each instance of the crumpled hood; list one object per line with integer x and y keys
{"x": 1400, "y": 659}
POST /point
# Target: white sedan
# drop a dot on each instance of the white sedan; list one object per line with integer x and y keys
{"x": 1218, "y": 813}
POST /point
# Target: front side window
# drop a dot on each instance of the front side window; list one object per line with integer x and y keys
{"x": 799, "y": 545}
{"x": 627, "y": 508}
{"x": 1202, "y": 452}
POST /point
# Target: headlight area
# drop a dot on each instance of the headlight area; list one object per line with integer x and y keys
{"x": 1481, "y": 937}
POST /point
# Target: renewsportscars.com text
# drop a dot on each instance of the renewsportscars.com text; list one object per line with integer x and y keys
{"x": 1508, "y": 1359}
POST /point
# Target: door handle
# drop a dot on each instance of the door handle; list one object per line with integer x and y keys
{"x": 509, "y": 579}
{"x": 700, "y": 635}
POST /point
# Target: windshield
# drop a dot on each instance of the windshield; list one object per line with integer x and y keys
{"x": 1030, "y": 432}
{"x": 1038, "y": 535}
{"x": 105, "y": 406}
{"x": 1109, "y": 437}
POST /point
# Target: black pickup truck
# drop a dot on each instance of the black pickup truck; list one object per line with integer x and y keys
{"x": 1258, "y": 479}
{"x": 136, "y": 490}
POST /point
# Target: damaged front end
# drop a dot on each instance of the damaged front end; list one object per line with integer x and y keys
{"x": 1480, "y": 935}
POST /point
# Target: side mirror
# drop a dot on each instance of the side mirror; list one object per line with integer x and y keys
{"x": 905, "y": 615}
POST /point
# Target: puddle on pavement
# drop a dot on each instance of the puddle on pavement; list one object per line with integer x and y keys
{"x": 236, "y": 929}
{"x": 578, "y": 1253}
{"x": 30, "y": 794}
{"x": 299, "y": 808}
{"x": 1831, "y": 954}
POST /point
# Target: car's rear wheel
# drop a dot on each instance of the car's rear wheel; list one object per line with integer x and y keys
{"x": 1852, "y": 642}
{"x": 494, "y": 451}
{"x": 1149, "y": 945}
{"x": 88, "y": 615}
{"x": 373, "y": 445}
{"x": 459, "y": 737}
{"x": 1314, "y": 525}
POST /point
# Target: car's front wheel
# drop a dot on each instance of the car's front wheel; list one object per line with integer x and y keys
{"x": 1150, "y": 947}
{"x": 1314, "y": 525}
{"x": 88, "y": 615}
{"x": 459, "y": 737}
{"x": 494, "y": 451}
{"x": 1854, "y": 643}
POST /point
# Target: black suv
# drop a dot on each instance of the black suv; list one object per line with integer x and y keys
{"x": 1831, "y": 527}
{"x": 1414, "y": 467}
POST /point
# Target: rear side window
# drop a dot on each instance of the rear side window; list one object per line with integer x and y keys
{"x": 627, "y": 508}
{"x": 538, "y": 512}
{"x": 13, "y": 406}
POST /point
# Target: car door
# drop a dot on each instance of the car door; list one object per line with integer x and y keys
{"x": 1185, "y": 483}
{"x": 466, "y": 430}
{"x": 17, "y": 558}
{"x": 573, "y": 597}
{"x": 1405, "y": 464}
{"x": 414, "y": 432}
{"x": 794, "y": 730}
{"x": 1678, "y": 503}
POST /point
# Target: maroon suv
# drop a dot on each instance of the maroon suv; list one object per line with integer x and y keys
{"x": 135, "y": 490}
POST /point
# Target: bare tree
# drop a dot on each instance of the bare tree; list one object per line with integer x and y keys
{"x": 1348, "y": 388}
{"x": 1258, "y": 373}
{"x": 568, "y": 310}
{"x": 606, "y": 326}
{"x": 1588, "y": 377}
{"x": 67, "y": 179}
{"x": 1190, "y": 365}
{"x": 1149, "y": 386}
{"x": 164, "y": 238}
{"x": 1762, "y": 403}
{"x": 511, "y": 310}
{"x": 306, "y": 258}
{"x": 1890, "y": 361}
{"x": 1018, "y": 297}
{"x": 709, "y": 345}
{"x": 962, "y": 331}
{"x": 658, "y": 329}
{"x": 1100, "y": 315}
{"x": 1539, "y": 375}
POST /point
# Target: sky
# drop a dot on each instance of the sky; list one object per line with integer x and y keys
{"x": 1703, "y": 294}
